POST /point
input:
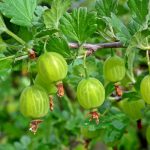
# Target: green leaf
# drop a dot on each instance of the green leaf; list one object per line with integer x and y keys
{"x": 53, "y": 15}
{"x": 106, "y": 121}
{"x": 21, "y": 12}
{"x": 111, "y": 136}
{"x": 5, "y": 65}
{"x": 3, "y": 45}
{"x": 7, "y": 146}
{"x": 133, "y": 27}
{"x": 131, "y": 95}
{"x": 118, "y": 124}
{"x": 141, "y": 40}
{"x": 122, "y": 32}
{"x": 2, "y": 25}
{"x": 106, "y": 7}
{"x": 45, "y": 32}
{"x": 140, "y": 10}
{"x": 112, "y": 124}
{"x": 130, "y": 55}
{"x": 109, "y": 89}
{"x": 39, "y": 11}
{"x": 59, "y": 45}
{"x": 79, "y": 25}
{"x": 25, "y": 140}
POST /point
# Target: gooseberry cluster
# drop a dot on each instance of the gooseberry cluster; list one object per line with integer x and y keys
{"x": 36, "y": 100}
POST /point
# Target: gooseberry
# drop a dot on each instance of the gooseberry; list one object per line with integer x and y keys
{"x": 133, "y": 108}
{"x": 145, "y": 89}
{"x": 34, "y": 102}
{"x": 52, "y": 67}
{"x": 90, "y": 93}
{"x": 114, "y": 69}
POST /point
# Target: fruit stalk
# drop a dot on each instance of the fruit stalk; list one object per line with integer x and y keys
{"x": 87, "y": 142}
{"x": 139, "y": 124}
{"x": 148, "y": 60}
{"x": 21, "y": 41}
{"x": 112, "y": 52}
{"x": 84, "y": 65}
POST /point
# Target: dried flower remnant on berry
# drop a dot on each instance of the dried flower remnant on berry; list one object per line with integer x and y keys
{"x": 60, "y": 89}
{"x": 118, "y": 90}
{"x": 34, "y": 124}
{"x": 51, "y": 103}
{"x": 31, "y": 54}
{"x": 94, "y": 115}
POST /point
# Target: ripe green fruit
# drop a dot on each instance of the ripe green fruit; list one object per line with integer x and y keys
{"x": 34, "y": 102}
{"x": 80, "y": 147}
{"x": 48, "y": 86}
{"x": 90, "y": 93}
{"x": 145, "y": 89}
{"x": 89, "y": 134}
{"x": 52, "y": 67}
{"x": 133, "y": 108}
{"x": 114, "y": 69}
{"x": 12, "y": 106}
{"x": 148, "y": 134}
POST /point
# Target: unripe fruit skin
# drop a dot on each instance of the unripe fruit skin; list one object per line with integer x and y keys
{"x": 80, "y": 147}
{"x": 34, "y": 102}
{"x": 12, "y": 107}
{"x": 145, "y": 89}
{"x": 90, "y": 93}
{"x": 133, "y": 108}
{"x": 48, "y": 86}
{"x": 52, "y": 67}
{"x": 114, "y": 69}
{"x": 89, "y": 134}
{"x": 148, "y": 134}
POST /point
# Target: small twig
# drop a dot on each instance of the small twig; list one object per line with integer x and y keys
{"x": 21, "y": 41}
{"x": 95, "y": 47}
{"x": 91, "y": 47}
{"x": 13, "y": 56}
{"x": 21, "y": 57}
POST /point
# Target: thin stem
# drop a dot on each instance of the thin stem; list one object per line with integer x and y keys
{"x": 16, "y": 59}
{"x": 148, "y": 60}
{"x": 94, "y": 47}
{"x": 9, "y": 57}
{"x": 21, "y": 57}
{"x": 15, "y": 37}
{"x": 112, "y": 52}
{"x": 131, "y": 77}
{"x": 45, "y": 43}
{"x": 84, "y": 65}
{"x": 105, "y": 112}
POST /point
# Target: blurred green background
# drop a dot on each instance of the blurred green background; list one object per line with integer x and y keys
{"x": 61, "y": 129}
